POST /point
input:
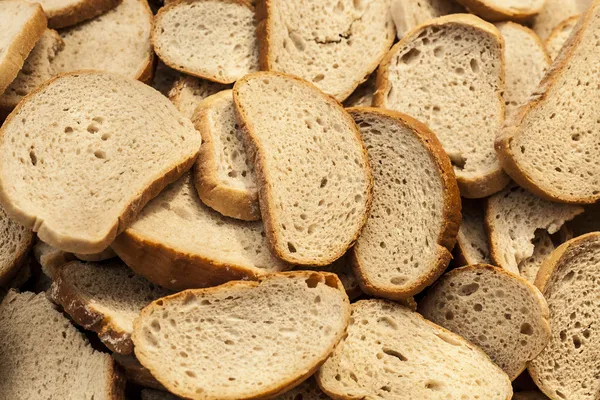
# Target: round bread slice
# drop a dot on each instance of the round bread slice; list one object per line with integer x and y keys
{"x": 502, "y": 10}
{"x": 179, "y": 243}
{"x": 559, "y": 35}
{"x": 223, "y": 173}
{"x": 243, "y": 340}
{"x": 113, "y": 144}
{"x": 498, "y": 311}
{"x": 210, "y": 39}
{"x": 15, "y": 243}
{"x": 391, "y": 352}
{"x": 188, "y": 92}
{"x": 472, "y": 243}
{"x": 64, "y": 13}
{"x": 411, "y": 172}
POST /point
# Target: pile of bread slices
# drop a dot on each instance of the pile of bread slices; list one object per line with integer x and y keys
{"x": 300, "y": 199}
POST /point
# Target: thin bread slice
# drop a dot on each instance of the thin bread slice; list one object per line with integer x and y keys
{"x": 223, "y": 173}
{"x": 546, "y": 149}
{"x": 42, "y": 356}
{"x": 243, "y": 340}
{"x": 164, "y": 78}
{"x": 543, "y": 247}
{"x": 472, "y": 241}
{"x": 22, "y": 25}
{"x": 210, "y": 39}
{"x": 334, "y": 44}
{"x": 416, "y": 76}
{"x": 502, "y": 10}
{"x": 391, "y": 352}
{"x": 106, "y": 254}
{"x": 410, "y": 171}
{"x": 104, "y": 298}
{"x": 312, "y": 168}
{"x": 307, "y": 390}
{"x": 15, "y": 243}
{"x": 567, "y": 367}
{"x": 498, "y": 311}
{"x": 179, "y": 243}
{"x": 64, "y": 13}
{"x": 554, "y": 12}
{"x": 512, "y": 218}
{"x": 148, "y": 394}
{"x": 114, "y": 144}
{"x": 189, "y": 91}
{"x": 136, "y": 372}
{"x": 559, "y": 35}
{"x": 50, "y": 258}
{"x": 409, "y": 14}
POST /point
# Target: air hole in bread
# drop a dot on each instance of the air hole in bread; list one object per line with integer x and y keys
{"x": 100, "y": 154}
{"x": 298, "y": 41}
{"x": 398, "y": 280}
{"x": 526, "y": 329}
{"x": 291, "y": 247}
{"x": 474, "y": 65}
{"x": 468, "y": 290}
{"x": 434, "y": 385}
{"x": 314, "y": 280}
{"x": 458, "y": 160}
{"x": 438, "y": 51}
{"x": 387, "y": 322}
{"x": 394, "y": 353}
{"x": 576, "y": 342}
{"x": 33, "y": 158}
{"x": 318, "y": 78}
{"x": 449, "y": 315}
{"x": 410, "y": 57}
{"x": 478, "y": 307}
{"x": 448, "y": 339}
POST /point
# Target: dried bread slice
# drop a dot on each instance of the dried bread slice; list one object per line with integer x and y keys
{"x": 391, "y": 352}
{"x": 210, "y": 343}
{"x": 114, "y": 144}
{"x": 104, "y": 298}
{"x": 512, "y": 218}
{"x": 188, "y": 92}
{"x": 333, "y": 44}
{"x": 15, "y": 243}
{"x": 421, "y": 70}
{"x": 210, "y": 39}
{"x": 543, "y": 247}
{"x": 567, "y": 367}
{"x": 42, "y": 356}
{"x": 223, "y": 173}
{"x": 557, "y": 166}
{"x": 494, "y": 309}
{"x": 410, "y": 171}
{"x": 312, "y": 168}
{"x": 559, "y": 35}
{"x": 409, "y": 14}
{"x": 501, "y": 10}
{"x": 136, "y": 372}
{"x": 179, "y": 243}
{"x": 554, "y": 12}
{"x": 22, "y": 24}
{"x": 472, "y": 242}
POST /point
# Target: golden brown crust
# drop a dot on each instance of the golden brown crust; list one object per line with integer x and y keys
{"x": 560, "y": 27}
{"x": 492, "y": 13}
{"x": 76, "y": 13}
{"x": 451, "y": 216}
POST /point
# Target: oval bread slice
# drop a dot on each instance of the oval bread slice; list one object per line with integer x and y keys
{"x": 502, "y": 10}
{"x": 243, "y": 340}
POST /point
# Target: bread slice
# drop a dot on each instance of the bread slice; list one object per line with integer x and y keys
{"x": 568, "y": 279}
{"x": 117, "y": 41}
{"x": 559, "y": 35}
{"x": 391, "y": 352}
{"x": 42, "y": 356}
{"x": 243, "y": 340}
{"x": 210, "y": 39}
{"x": 223, "y": 173}
{"x": 472, "y": 243}
{"x": 307, "y": 390}
{"x": 554, "y": 12}
{"x": 64, "y": 13}
{"x": 312, "y": 168}
{"x": 415, "y": 77}
{"x": 526, "y": 63}
{"x": 556, "y": 166}
{"x": 115, "y": 143}
{"x": 512, "y": 218}
{"x": 529, "y": 396}
{"x": 494, "y": 309}
{"x": 362, "y": 95}
{"x": 333, "y": 44}
{"x": 501, "y": 10}
{"x": 16, "y": 241}
{"x": 543, "y": 247}
{"x": 188, "y": 92}
{"x": 50, "y": 259}
{"x": 409, "y": 14}
{"x": 411, "y": 171}
{"x": 148, "y": 394}
{"x": 106, "y": 254}
{"x": 104, "y": 298}
{"x": 164, "y": 78}
{"x": 179, "y": 243}
{"x": 136, "y": 373}
{"x": 22, "y": 24}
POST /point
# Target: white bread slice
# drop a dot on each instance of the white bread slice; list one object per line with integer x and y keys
{"x": 164, "y": 78}
{"x": 512, "y": 218}
{"x": 243, "y": 340}
{"x": 104, "y": 298}
{"x": 22, "y": 24}
{"x": 106, "y": 254}
{"x": 529, "y": 396}
{"x": 136, "y": 372}
{"x": 543, "y": 247}
{"x": 554, "y": 12}
{"x": 494, "y": 309}
{"x": 15, "y": 243}
{"x": 501, "y": 10}
{"x": 42, "y": 356}
{"x": 334, "y": 44}
{"x": 307, "y": 390}
{"x": 210, "y": 39}
{"x": 429, "y": 63}
{"x": 409, "y": 14}
{"x": 559, "y": 35}
{"x": 567, "y": 367}
{"x": 50, "y": 259}
{"x": 189, "y": 91}
{"x": 64, "y": 13}
{"x": 312, "y": 168}
{"x": 391, "y": 352}
{"x": 117, "y": 41}
{"x": 472, "y": 242}
{"x": 114, "y": 144}
{"x": 223, "y": 173}
{"x": 526, "y": 63}
{"x": 149, "y": 394}
{"x": 546, "y": 149}
{"x": 179, "y": 243}
{"x": 411, "y": 171}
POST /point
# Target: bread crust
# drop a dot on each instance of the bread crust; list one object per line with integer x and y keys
{"x": 451, "y": 213}
{"x": 103, "y": 255}
{"x": 19, "y": 261}
{"x": 495, "y": 14}
{"x": 533, "y": 35}
{"x": 559, "y": 28}
{"x": 76, "y": 13}
{"x": 116, "y": 381}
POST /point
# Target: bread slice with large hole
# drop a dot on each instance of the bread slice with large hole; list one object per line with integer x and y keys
{"x": 391, "y": 352}
{"x": 409, "y": 14}
{"x": 429, "y": 63}
{"x": 502, "y": 10}
{"x": 312, "y": 168}
{"x": 244, "y": 339}
{"x": 411, "y": 171}
{"x": 494, "y": 309}
{"x": 16, "y": 242}
{"x": 559, "y": 36}
{"x": 113, "y": 144}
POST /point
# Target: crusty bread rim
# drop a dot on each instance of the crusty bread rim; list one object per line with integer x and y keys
{"x": 492, "y": 181}
{"x": 560, "y": 27}
{"x": 65, "y": 16}
{"x": 230, "y": 201}
{"x": 256, "y": 153}
{"x": 495, "y": 13}
{"x": 531, "y": 33}
{"x": 450, "y": 218}
{"x": 126, "y": 215}
{"x": 274, "y": 390}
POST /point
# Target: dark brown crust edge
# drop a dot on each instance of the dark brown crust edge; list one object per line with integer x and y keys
{"x": 494, "y": 14}
{"x": 76, "y": 13}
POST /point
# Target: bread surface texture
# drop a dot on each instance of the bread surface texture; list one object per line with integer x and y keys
{"x": 559, "y": 35}
{"x": 409, "y": 14}
{"x": 15, "y": 243}
{"x": 284, "y": 326}
{"x": 188, "y": 92}
{"x": 472, "y": 242}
